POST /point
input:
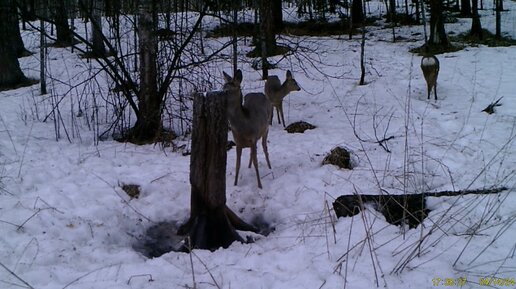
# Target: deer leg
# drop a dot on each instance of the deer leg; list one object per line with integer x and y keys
{"x": 250, "y": 159}
{"x": 265, "y": 150}
{"x": 239, "y": 154}
{"x": 435, "y": 90}
{"x": 255, "y": 162}
{"x": 281, "y": 112}
{"x": 278, "y": 109}
{"x": 271, "y": 114}
{"x": 429, "y": 89}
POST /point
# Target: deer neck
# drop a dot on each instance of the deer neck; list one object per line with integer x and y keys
{"x": 284, "y": 90}
{"x": 236, "y": 111}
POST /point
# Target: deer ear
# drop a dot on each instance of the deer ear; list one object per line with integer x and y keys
{"x": 289, "y": 74}
{"x": 238, "y": 76}
{"x": 226, "y": 77}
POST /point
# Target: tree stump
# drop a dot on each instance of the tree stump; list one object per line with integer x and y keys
{"x": 212, "y": 224}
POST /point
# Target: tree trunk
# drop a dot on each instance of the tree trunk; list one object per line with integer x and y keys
{"x": 10, "y": 71}
{"x": 97, "y": 39}
{"x": 267, "y": 26}
{"x": 499, "y": 8}
{"x": 465, "y": 8}
{"x": 438, "y": 35}
{"x": 277, "y": 16}
{"x": 14, "y": 32}
{"x": 392, "y": 11}
{"x": 212, "y": 224}
{"x": 60, "y": 15}
{"x": 357, "y": 13}
{"x": 476, "y": 25}
{"x": 148, "y": 123}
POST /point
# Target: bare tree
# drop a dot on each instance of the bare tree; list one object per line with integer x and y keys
{"x": 438, "y": 35}
{"x": 465, "y": 8}
{"x": 11, "y": 74}
{"x": 149, "y": 120}
{"x": 211, "y": 224}
{"x": 14, "y": 33}
{"x": 60, "y": 15}
{"x": 476, "y": 25}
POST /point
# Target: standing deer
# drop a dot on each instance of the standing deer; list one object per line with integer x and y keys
{"x": 430, "y": 67}
{"x": 249, "y": 122}
{"x": 275, "y": 92}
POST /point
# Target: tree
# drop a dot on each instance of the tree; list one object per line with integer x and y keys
{"x": 277, "y": 15}
{"x": 11, "y": 74}
{"x": 149, "y": 103}
{"x": 499, "y": 9}
{"x": 357, "y": 12}
{"x": 211, "y": 224}
{"x": 267, "y": 29}
{"x": 476, "y": 25}
{"x": 438, "y": 35}
{"x": 98, "y": 47}
{"x": 267, "y": 43}
{"x": 60, "y": 16}
{"x": 14, "y": 32}
{"x": 465, "y": 8}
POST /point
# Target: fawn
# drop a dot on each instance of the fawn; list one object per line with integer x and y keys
{"x": 249, "y": 122}
{"x": 276, "y": 91}
{"x": 430, "y": 67}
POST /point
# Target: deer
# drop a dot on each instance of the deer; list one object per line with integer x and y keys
{"x": 276, "y": 91}
{"x": 249, "y": 122}
{"x": 430, "y": 67}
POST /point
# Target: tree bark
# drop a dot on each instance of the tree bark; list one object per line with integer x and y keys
{"x": 267, "y": 26}
{"x": 438, "y": 35}
{"x": 211, "y": 224}
{"x": 277, "y": 16}
{"x": 97, "y": 38}
{"x": 498, "y": 29}
{"x": 14, "y": 31}
{"x": 476, "y": 25}
{"x": 465, "y": 8}
{"x": 11, "y": 74}
{"x": 148, "y": 123}
{"x": 357, "y": 13}
{"x": 60, "y": 15}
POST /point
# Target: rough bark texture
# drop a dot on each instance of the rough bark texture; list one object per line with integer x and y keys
{"x": 277, "y": 15}
{"x": 438, "y": 35}
{"x": 465, "y": 8}
{"x": 357, "y": 12}
{"x": 60, "y": 15}
{"x": 476, "y": 26}
{"x": 13, "y": 31}
{"x": 268, "y": 31}
{"x": 148, "y": 123}
{"x": 97, "y": 39}
{"x": 10, "y": 71}
{"x": 211, "y": 225}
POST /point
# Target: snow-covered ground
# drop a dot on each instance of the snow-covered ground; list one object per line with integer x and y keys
{"x": 66, "y": 223}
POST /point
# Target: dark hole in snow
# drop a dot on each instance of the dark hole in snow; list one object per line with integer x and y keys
{"x": 299, "y": 127}
{"x": 162, "y": 237}
{"x": 339, "y": 157}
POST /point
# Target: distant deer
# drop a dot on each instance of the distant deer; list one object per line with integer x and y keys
{"x": 249, "y": 122}
{"x": 276, "y": 91}
{"x": 430, "y": 67}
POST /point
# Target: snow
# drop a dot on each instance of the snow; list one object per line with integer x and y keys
{"x": 66, "y": 223}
